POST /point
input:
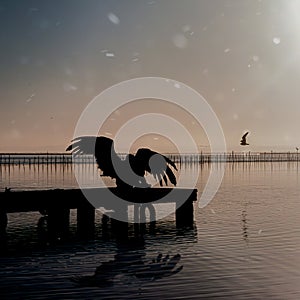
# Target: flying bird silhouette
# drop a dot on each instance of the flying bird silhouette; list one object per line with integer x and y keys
{"x": 129, "y": 172}
{"x": 243, "y": 141}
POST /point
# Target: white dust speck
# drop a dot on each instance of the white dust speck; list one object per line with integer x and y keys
{"x": 68, "y": 87}
{"x": 255, "y": 58}
{"x": 249, "y": 66}
{"x": 104, "y": 50}
{"x": 30, "y": 98}
{"x": 109, "y": 54}
{"x": 259, "y": 231}
{"x": 113, "y": 18}
{"x": 177, "y": 85}
{"x": 212, "y": 211}
{"x": 235, "y": 116}
{"x": 227, "y": 50}
{"x": 233, "y": 90}
{"x": 187, "y": 30}
{"x": 180, "y": 41}
{"x": 135, "y": 57}
{"x": 276, "y": 40}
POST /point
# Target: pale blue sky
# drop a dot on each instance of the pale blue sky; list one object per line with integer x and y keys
{"x": 242, "y": 56}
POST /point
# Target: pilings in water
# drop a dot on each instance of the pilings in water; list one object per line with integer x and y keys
{"x": 184, "y": 213}
{"x": 56, "y": 205}
{"x": 42, "y": 158}
{"x": 202, "y": 157}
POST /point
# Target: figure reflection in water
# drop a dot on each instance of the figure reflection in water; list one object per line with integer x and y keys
{"x": 130, "y": 261}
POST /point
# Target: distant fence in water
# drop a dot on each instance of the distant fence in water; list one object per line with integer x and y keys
{"x": 66, "y": 158}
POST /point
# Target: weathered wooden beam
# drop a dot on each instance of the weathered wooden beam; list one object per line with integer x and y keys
{"x": 39, "y": 200}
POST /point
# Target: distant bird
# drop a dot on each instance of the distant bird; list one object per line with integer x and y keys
{"x": 125, "y": 171}
{"x": 243, "y": 141}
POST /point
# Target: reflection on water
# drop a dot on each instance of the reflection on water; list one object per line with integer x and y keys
{"x": 244, "y": 245}
{"x": 130, "y": 262}
{"x": 245, "y": 226}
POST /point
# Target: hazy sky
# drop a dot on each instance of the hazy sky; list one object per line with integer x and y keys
{"x": 242, "y": 56}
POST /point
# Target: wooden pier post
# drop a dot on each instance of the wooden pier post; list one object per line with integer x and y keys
{"x": 185, "y": 213}
{"x": 58, "y": 222}
{"x": 3, "y": 221}
{"x": 86, "y": 220}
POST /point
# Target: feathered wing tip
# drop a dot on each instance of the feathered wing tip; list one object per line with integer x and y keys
{"x": 160, "y": 169}
{"x": 170, "y": 162}
{"x": 171, "y": 176}
{"x": 101, "y": 147}
{"x": 163, "y": 176}
{"x": 83, "y": 145}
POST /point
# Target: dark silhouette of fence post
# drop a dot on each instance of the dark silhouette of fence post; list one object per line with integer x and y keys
{"x": 271, "y": 155}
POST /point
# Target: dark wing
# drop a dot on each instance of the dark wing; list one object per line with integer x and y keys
{"x": 243, "y": 140}
{"x": 244, "y": 136}
{"x": 156, "y": 164}
{"x": 101, "y": 147}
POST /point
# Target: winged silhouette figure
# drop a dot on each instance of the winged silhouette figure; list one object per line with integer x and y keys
{"x": 243, "y": 141}
{"x": 129, "y": 172}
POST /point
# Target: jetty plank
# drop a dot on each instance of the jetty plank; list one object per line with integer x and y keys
{"x": 38, "y": 200}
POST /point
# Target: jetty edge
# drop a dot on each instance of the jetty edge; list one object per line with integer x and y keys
{"x": 56, "y": 204}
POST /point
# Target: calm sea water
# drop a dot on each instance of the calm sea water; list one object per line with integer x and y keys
{"x": 244, "y": 245}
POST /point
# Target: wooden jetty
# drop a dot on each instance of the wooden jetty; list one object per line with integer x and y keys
{"x": 56, "y": 204}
